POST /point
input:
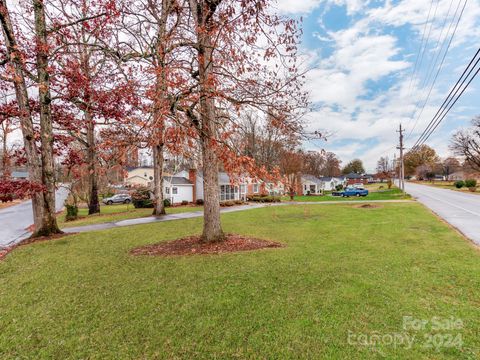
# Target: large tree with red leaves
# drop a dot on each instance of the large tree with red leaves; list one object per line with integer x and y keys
{"x": 29, "y": 50}
{"x": 243, "y": 58}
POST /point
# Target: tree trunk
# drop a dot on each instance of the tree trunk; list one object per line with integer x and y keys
{"x": 212, "y": 227}
{"x": 26, "y": 123}
{"x": 93, "y": 204}
{"x": 160, "y": 101}
{"x": 158, "y": 160}
{"x": 49, "y": 224}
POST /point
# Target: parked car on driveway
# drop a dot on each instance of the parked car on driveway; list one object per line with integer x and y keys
{"x": 118, "y": 199}
{"x": 352, "y": 191}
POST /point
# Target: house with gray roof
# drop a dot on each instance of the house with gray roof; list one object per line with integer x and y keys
{"x": 316, "y": 185}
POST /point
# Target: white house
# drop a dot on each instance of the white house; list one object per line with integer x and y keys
{"x": 330, "y": 183}
{"x": 227, "y": 190}
{"x": 177, "y": 189}
{"x": 313, "y": 185}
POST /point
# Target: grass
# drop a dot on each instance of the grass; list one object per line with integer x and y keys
{"x": 109, "y": 213}
{"x": 344, "y": 269}
{"x": 375, "y": 193}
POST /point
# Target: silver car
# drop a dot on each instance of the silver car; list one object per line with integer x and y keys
{"x": 118, "y": 199}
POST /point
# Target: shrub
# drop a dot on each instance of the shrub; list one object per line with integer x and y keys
{"x": 227, "y": 203}
{"x": 470, "y": 183}
{"x": 72, "y": 212}
{"x": 184, "y": 202}
{"x": 6, "y": 197}
{"x": 141, "y": 198}
{"x": 167, "y": 203}
{"x": 239, "y": 202}
{"x": 265, "y": 199}
{"x": 459, "y": 184}
{"x": 339, "y": 187}
{"x": 199, "y": 202}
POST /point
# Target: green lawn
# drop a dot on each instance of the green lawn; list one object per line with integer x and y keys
{"x": 375, "y": 193}
{"x": 109, "y": 213}
{"x": 344, "y": 269}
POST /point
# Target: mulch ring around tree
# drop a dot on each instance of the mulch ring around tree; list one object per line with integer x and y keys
{"x": 192, "y": 245}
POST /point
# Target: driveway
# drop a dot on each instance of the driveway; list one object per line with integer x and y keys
{"x": 14, "y": 220}
{"x": 462, "y": 210}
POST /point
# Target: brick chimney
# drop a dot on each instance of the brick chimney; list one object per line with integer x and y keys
{"x": 192, "y": 176}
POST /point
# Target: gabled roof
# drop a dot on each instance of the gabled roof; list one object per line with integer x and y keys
{"x": 330, "y": 178}
{"x": 314, "y": 179}
{"x": 178, "y": 180}
{"x": 353, "y": 175}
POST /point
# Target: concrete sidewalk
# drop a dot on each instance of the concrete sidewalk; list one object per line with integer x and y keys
{"x": 195, "y": 214}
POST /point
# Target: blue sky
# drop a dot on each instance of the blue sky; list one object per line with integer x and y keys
{"x": 361, "y": 56}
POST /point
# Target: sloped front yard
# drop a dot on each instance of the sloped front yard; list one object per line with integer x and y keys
{"x": 346, "y": 275}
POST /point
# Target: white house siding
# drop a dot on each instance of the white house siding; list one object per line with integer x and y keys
{"x": 309, "y": 187}
{"x": 182, "y": 193}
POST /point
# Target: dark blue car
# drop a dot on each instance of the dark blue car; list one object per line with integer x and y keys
{"x": 352, "y": 191}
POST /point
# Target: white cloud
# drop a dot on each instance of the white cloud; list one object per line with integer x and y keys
{"x": 297, "y": 7}
{"x": 364, "y": 54}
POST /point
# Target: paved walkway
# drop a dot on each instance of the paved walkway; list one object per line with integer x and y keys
{"x": 195, "y": 214}
{"x": 460, "y": 209}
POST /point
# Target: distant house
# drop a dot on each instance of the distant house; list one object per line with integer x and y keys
{"x": 311, "y": 184}
{"x": 228, "y": 190}
{"x": 330, "y": 183}
{"x": 142, "y": 176}
{"x": 354, "y": 178}
{"x": 463, "y": 175}
{"x": 177, "y": 189}
{"x": 314, "y": 185}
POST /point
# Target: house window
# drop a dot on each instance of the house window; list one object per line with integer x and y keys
{"x": 305, "y": 187}
{"x": 242, "y": 189}
{"x": 174, "y": 191}
{"x": 255, "y": 188}
{"x": 167, "y": 190}
{"x": 227, "y": 192}
{"x": 312, "y": 189}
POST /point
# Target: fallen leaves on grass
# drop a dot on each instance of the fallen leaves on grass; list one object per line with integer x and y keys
{"x": 192, "y": 245}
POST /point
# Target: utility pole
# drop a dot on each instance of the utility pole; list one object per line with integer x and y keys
{"x": 402, "y": 170}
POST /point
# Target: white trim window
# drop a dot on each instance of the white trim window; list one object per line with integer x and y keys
{"x": 167, "y": 190}
{"x": 227, "y": 192}
{"x": 255, "y": 188}
{"x": 174, "y": 191}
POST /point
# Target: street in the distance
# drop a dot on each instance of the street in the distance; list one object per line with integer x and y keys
{"x": 459, "y": 209}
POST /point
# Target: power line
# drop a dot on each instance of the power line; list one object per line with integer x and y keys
{"x": 443, "y": 117}
{"x": 441, "y": 63}
{"x": 452, "y": 96}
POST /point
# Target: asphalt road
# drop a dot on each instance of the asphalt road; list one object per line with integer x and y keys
{"x": 462, "y": 210}
{"x": 14, "y": 220}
